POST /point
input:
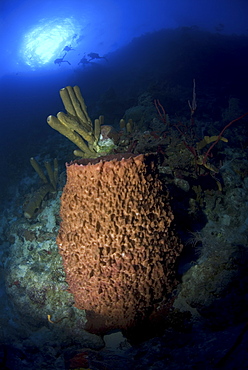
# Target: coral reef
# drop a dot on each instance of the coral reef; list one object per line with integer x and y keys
{"x": 116, "y": 239}
{"x": 203, "y": 323}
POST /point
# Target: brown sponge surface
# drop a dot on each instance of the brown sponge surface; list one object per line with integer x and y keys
{"x": 116, "y": 240}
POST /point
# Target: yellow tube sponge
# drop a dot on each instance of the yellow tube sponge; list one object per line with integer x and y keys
{"x": 74, "y": 137}
{"x": 38, "y": 169}
{"x": 76, "y": 124}
{"x": 34, "y": 204}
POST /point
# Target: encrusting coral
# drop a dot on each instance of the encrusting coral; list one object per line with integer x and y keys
{"x": 76, "y": 125}
{"x": 116, "y": 239}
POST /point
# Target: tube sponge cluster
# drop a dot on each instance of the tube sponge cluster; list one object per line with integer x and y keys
{"x": 116, "y": 239}
{"x": 76, "y": 124}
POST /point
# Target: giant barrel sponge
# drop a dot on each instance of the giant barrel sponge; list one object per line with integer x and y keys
{"x": 116, "y": 239}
